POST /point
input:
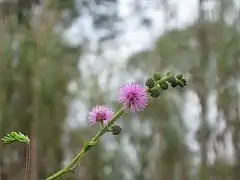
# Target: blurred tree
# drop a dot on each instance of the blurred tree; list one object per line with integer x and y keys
{"x": 195, "y": 50}
{"x": 34, "y": 95}
{"x": 36, "y": 67}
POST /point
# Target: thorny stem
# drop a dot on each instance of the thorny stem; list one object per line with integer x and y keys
{"x": 27, "y": 161}
{"x": 86, "y": 148}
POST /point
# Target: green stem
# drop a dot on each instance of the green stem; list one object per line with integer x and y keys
{"x": 27, "y": 162}
{"x": 86, "y": 148}
{"x": 164, "y": 79}
{"x": 161, "y": 81}
{"x": 102, "y": 124}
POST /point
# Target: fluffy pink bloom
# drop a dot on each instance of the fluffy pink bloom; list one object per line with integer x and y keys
{"x": 100, "y": 113}
{"x": 133, "y": 97}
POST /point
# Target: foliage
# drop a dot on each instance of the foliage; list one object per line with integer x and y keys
{"x": 15, "y": 137}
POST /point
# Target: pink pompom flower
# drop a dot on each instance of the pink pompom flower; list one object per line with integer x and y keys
{"x": 133, "y": 97}
{"x": 100, "y": 114}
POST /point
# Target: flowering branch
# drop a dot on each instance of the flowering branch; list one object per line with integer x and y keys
{"x": 133, "y": 97}
{"x": 86, "y": 148}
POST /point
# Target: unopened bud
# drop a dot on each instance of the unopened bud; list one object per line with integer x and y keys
{"x": 116, "y": 130}
{"x": 174, "y": 83}
{"x": 155, "y": 93}
{"x": 164, "y": 85}
{"x": 150, "y": 83}
{"x": 179, "y": 76}
{"x": 157, "y": 76}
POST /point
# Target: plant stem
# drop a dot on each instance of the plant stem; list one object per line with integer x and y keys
{"x": 27, "y": 160}
{"x": 86, "y": 148}
{"x": 165, "y": 78}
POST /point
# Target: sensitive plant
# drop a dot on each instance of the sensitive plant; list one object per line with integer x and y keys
{"x": 100, "y": 114}
{"x": 132, "y": 96}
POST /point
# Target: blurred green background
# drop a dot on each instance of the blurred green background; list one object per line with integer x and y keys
{"x": 58, "y": 58}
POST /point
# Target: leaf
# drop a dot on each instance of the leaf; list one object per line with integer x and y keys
{"x": 15, "y": 137}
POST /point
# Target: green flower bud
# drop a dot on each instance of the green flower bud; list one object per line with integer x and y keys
{"x": 150, "y": 82}
{"x": 168, "y": 73}
{"x": 157, "y": 76}
{"x": 179, "y": 76}
{"x": 164, "y": 85}
{"x": 116, "y": 130}
{"x": 174, "y": 83}
{"x": 171, "y": 79}
{"x": 184, "y": 81}
{"x": 155, "y": 93}
{"x": 181, "y": 85}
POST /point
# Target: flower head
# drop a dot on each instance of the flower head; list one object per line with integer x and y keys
{"x": 134, "y": 97}
{"x": 100, "y": 113}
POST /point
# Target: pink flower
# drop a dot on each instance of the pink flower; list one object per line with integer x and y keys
{"x": 133, "y": 97}
{"x": 100, "y": 113}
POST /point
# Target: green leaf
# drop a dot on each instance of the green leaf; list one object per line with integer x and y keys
{"x": 15, "y": 137}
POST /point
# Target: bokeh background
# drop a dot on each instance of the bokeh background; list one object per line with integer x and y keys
{"x": 58, "y": 58}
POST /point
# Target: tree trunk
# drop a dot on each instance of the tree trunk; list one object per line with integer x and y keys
{"x": 202, "y": 90}
{"x": 34, "y": 133}
{"x": 236, "y": 141}
{"x": 204, "y": 135}
{"x": 3, "y": 173}
{"x": 33, "y": 154}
